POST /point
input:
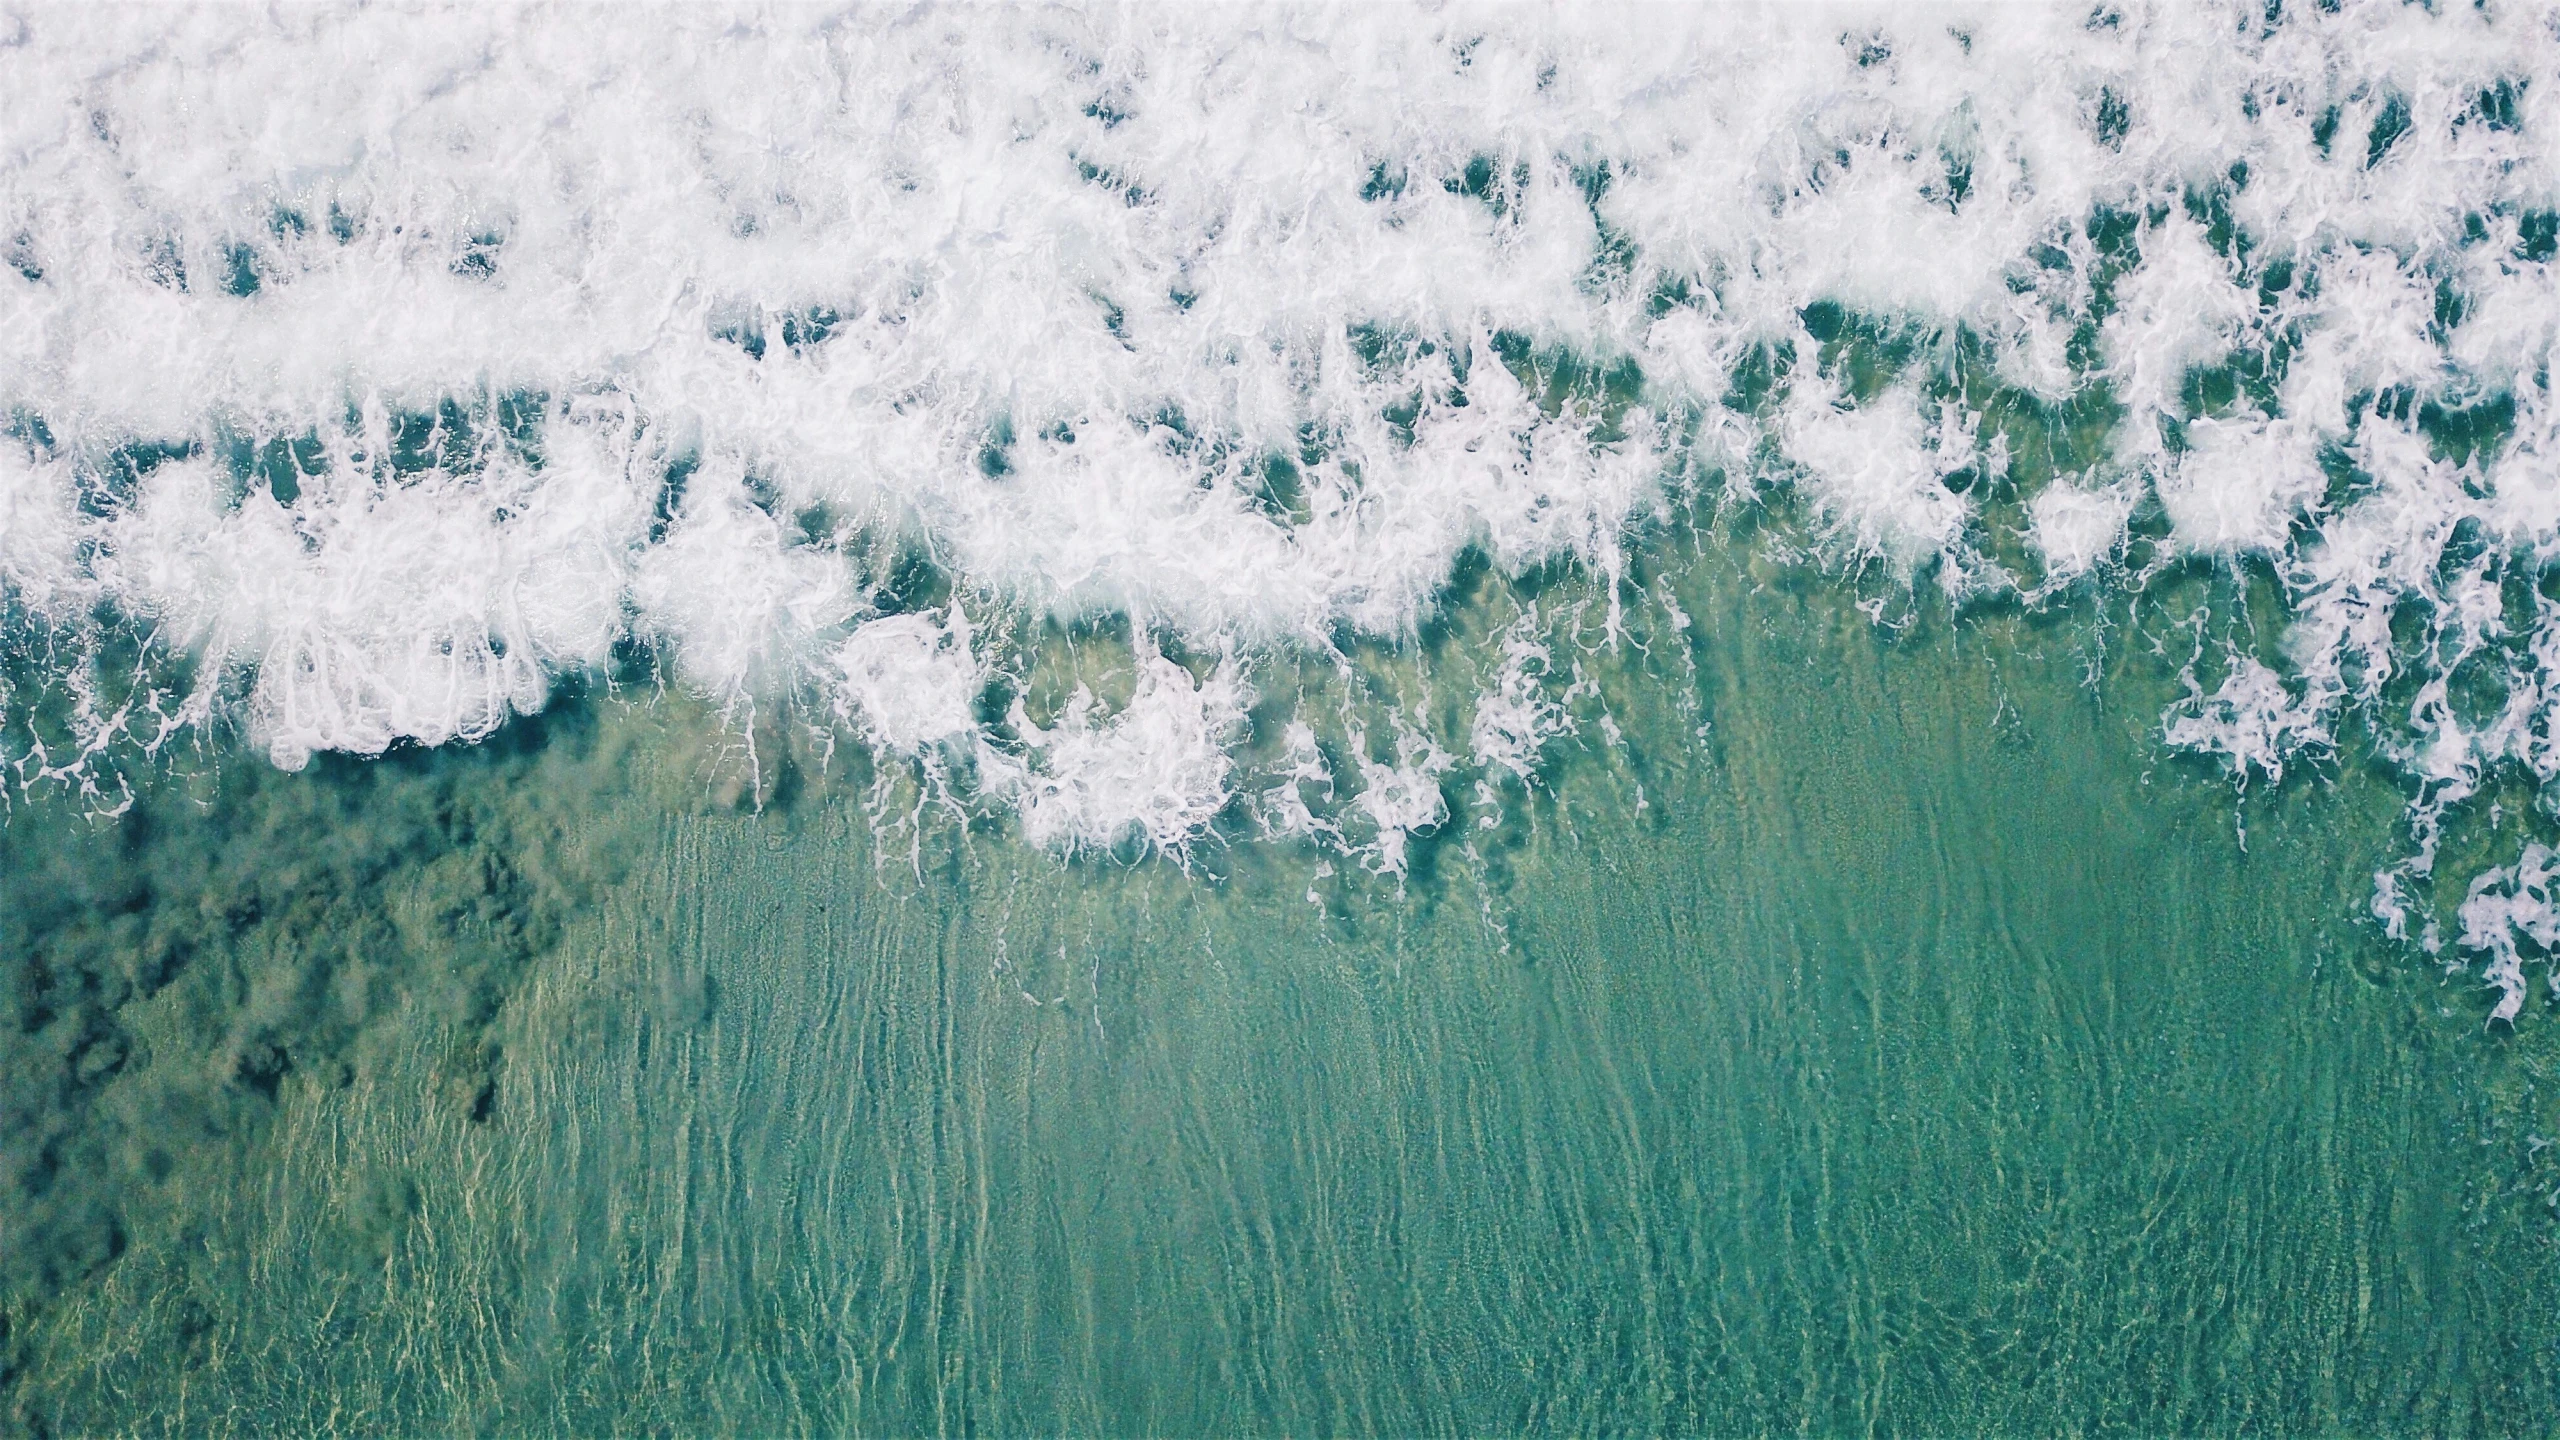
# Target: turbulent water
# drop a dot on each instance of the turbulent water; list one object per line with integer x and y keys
{"x": 379, "y": 369}
{"x": 1199, "y": 442}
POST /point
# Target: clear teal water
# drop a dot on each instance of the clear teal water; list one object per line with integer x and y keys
{"x": 1923, "y": 1054}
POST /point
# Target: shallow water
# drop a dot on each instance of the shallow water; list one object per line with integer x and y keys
{"x": 1153, "y": 720}
{"x": 1924, "y": 1054}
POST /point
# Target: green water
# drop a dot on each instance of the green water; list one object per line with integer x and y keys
{"x": 1923, "y": 1054}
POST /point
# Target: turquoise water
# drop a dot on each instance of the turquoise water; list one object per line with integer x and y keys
{"x": 1924, "y": 1053}
{"x": 1199, "y": 720}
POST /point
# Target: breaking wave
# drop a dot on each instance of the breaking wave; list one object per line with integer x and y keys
{"x": 369, "y": 373}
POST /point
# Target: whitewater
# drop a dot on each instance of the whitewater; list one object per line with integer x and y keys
{"x": 371, "y": 374}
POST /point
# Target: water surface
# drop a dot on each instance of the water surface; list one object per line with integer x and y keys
{"x": 1925, "y": 1053}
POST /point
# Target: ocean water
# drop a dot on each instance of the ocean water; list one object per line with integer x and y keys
{"x": 1134, "y": 721}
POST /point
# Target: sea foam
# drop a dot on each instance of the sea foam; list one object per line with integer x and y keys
{"x": 380, "y": 367}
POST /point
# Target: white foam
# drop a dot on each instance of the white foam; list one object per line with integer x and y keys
{"x": 741, "y": 605}
{"x": 2524, "y": 502}
{"x": 378, "y": 609}
{"x": 2181, "y": 308}
{"x": 40, "y": 536}
{"x": 1283, "y": 808}
{"x": 1879, "y": 471}
{"x": 2251, "y": 719}
{"x": 1239, "y": 323}
{"x": 1158, "y": 771}
{"x": 2240, "y": 485}
{"x": 2503, "y": 905}
{"x": 1400, "y": 796}
{"x": 910, "y": 683}
{"x": 2078, "y": 527}
{"x": 1515, "y": 720}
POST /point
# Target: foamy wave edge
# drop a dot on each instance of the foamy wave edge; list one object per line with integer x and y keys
{"x": 382, "y": 367}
